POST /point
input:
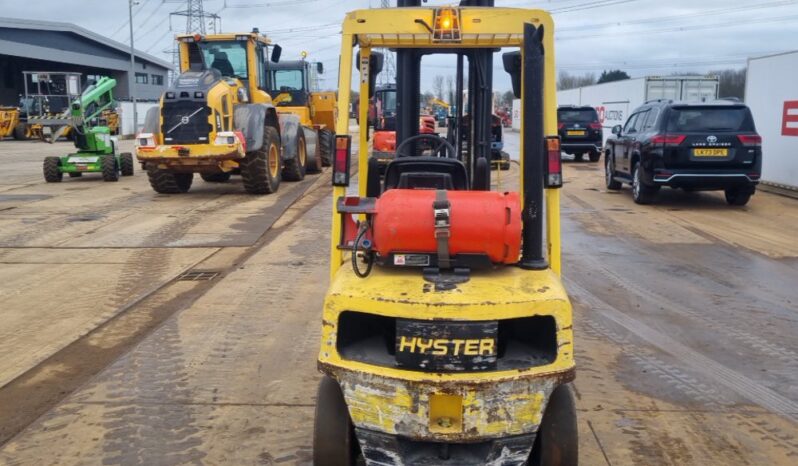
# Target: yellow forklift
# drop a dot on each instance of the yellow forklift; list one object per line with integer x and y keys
{"x": 447, "y": 334}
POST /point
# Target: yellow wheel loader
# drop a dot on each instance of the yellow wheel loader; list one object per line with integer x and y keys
{"x": 218, "y": 119}
{"x": 447, "y": 334}
{"x": 293, "y": 84}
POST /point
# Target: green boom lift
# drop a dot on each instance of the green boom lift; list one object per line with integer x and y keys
{"x": 97, "y": 151}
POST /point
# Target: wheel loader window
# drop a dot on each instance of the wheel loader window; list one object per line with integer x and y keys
{"x": 229, "y": 58}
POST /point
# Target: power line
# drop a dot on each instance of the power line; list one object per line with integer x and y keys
{"x": 661, "y": 19}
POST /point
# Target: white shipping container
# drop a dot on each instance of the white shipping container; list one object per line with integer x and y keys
{"x": 771, "y": 91}
{"x": 615, "y": 101}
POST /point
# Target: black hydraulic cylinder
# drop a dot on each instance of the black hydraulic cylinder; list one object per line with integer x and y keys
{"x": 534, "y": 152}
{"x": 458, "y": 107}
{"x": 408, "y": 79}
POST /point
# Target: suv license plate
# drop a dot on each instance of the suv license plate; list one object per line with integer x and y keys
{"x": 575, "y": 133}
{"x": 710, "y": 152}
{"x": 446, "y": 346}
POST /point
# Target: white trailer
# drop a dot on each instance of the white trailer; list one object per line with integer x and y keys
{"x": 771, "y": 91}
{"x": 614, "y": 101}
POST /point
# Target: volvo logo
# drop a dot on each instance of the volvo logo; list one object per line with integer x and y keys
{"x": 712, "y": 139}
{"x": 184, "y": 120}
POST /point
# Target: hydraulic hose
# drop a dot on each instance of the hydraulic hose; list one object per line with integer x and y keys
{"x": 368, "y": 256}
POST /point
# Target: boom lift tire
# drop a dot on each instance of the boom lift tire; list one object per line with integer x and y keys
{"x": 110, "y": 172}
{"x": 557, "y": 441}
{"x": 51, "y": 172}
{"x": 20, "y": 132}
{"x": 327, "y": 143}
{"x": 294, "y": 168}
{"x": 126, "y": 162}
{"x": 215, "y": 177}
{"x": 334, "y": 441}
{"x": 166, "y": 182}
{"x": 260, "y": 170}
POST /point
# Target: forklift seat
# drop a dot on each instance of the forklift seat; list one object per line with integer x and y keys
{"x": 426, "y": 173}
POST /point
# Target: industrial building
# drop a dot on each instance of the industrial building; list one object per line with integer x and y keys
{"x": 32, "y": 45}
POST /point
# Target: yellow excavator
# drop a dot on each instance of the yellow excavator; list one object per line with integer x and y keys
{"x": 218, "y": 119}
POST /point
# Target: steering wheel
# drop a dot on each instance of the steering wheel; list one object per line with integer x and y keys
{"x": 440, "y": 146}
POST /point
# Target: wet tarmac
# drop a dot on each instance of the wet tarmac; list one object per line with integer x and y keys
{"x": 685, "y": 320}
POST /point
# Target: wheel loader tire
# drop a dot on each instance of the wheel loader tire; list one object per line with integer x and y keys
{"x": 21, "y": 132}
{"x": 75, "y": 174}
{"x": 260, "y": 169}
{"x": 334, "y": 441}
{"x": 215, "y": 177}
{"x": 557, "y": 440}
{"x": 327, "y": 144}
{"x": 314, "y": 164}
{"x": 294, "y": 168}
{"x": 166, "y": 182}
{"x": 51, "y": 172}
{"x": 126, "y": 160}
{"x": 110, "y": 172}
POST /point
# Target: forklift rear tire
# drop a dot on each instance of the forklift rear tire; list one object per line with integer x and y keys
{"x": 215, "y": 177}
{"x": 294, "y": 168}
{"x": 166, "y": 182}
{"x": 21, "y": 132}
{"x": 557, "y": 440}
{"x": 126, "y": 162}
{"x": 75, "y": 174}
{"x": 327, "y": 144}
{"x": 334, "y": 441}
{"x": 110, "y": 171}
{"x": 260, "y": 169}
{"x": 52, "y": 174}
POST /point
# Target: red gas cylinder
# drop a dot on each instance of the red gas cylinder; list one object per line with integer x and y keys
{"x": 481, "y": 222}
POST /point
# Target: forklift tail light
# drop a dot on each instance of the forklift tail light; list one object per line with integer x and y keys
{"x": 554, "y": 165}
{"x": 341, "y": 164}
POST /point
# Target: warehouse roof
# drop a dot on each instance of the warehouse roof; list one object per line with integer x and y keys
{"x": 37, "y": 45}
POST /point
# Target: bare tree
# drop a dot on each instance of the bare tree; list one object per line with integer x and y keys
{"x": 437, "y": 86}
{"x": 732, "y": 82}
{"x": 449, "y": 89}
{"x": 570, "y": 81}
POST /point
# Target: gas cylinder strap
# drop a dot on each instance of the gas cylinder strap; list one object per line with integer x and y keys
{"x": 441, "y": 209}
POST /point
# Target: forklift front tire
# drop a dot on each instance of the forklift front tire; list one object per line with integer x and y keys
{"x": 52, "y": 172}
{"x": 557, "y": 440}
{"x": 334, "y": 441}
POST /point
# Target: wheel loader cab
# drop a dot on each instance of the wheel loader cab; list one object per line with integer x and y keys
{"x": 447, "y": 333}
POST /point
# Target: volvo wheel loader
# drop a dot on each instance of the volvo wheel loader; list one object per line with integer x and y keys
{"x": 218, "y": 119}
{"x": 293, "y": 84}
{"x": 447, "y": 335}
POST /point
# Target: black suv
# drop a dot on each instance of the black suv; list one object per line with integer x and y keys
{"x": 693, "y": 146}
{"x": 580, "y": 131}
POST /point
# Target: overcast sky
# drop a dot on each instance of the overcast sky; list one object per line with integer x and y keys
{"x": 642, "y": 37}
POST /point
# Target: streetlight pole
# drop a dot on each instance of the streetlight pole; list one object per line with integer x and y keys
{"x": 131, "y": 78}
